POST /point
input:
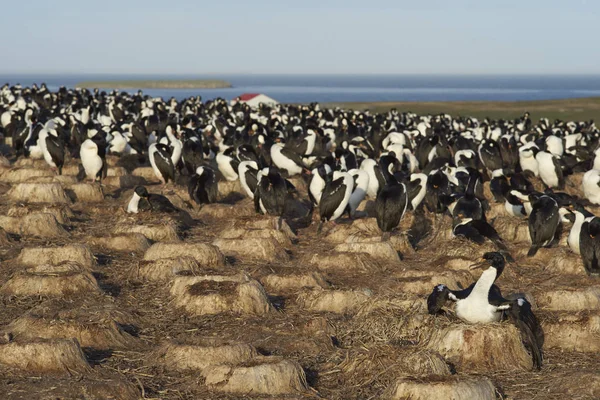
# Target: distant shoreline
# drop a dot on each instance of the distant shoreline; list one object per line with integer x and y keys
{"x": 156, "y": 84}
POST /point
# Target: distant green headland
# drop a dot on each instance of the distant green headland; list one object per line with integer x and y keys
{"x": 156, "y": 84}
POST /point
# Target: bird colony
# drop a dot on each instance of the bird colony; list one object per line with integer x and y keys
{"x": 208, "y": 250}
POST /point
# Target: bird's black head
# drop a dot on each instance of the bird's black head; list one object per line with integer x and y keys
{"x": 322, "y": 171}
{"x": 594, "y": 228}
{"x": 141, "y": 191}
{"x": 492, "y": 259}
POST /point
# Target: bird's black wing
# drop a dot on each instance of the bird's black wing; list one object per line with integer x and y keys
{"x": 163, "y": 162}
{"x": 193, "y": 188}
{"x": 468, "y": 231}
{"x": 441, "y": 294}
{"x": 559, "y": 172}
{"x": 292, "y": 155}
{"x": 489, "y": 232}
{"x": 519, "y": 312}
{"x": 589, "y": 250}
{"x": 332, "y": 196}
{"x": 251, "y": 179}
{"x": 56, "y": 149}
{"x": 161, "y": 203}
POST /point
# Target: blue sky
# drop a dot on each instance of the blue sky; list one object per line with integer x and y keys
{"x": 278, "y": 36}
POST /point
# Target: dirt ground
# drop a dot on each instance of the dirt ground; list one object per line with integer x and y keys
{"x": 372, "y": 329}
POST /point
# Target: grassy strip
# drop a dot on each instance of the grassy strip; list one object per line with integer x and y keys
{"x": 582, "y": 109}
{"x": 157, "y": 84}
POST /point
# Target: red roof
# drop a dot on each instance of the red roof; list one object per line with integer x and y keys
{"x": 248, "y": 96}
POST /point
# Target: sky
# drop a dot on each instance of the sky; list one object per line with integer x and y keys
{"x": 301, "y": 37}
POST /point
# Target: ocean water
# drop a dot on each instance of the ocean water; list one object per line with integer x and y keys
{"x": 356, "y": 88}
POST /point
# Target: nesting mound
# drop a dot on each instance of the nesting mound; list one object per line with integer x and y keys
{"x": 570, "y": 300}
{"x": 420, "y": 282}
{"x": 131, "y": 242}
{"x": 18, "y": 175}
{"x": 226, "y": 211}
{"x": 202, "y": 295}
{"x": 285, "y": 283}
{"x": 238, "y": 233}
{"x": 336, "y": 301}
{"x": 380, "y": 251}
{"x": 145, "y": 172}
{"x": 42, "y": 225}
{"x": 578, "y": 385}
{"x": 227, "y": 187}
{"x": 61, "y": 179}
{"x": 573, "y": 332}
{"x": 98, "y": 332}
{"x": 55, "y": 388}
{"x": 364, "y": 365}
{"x": 166, "y": 232}
{"x": 205, "y": 254}
{"x": 62, "y": 213}
{"x": 266, "y": 375}
{"x": 441, "y": 388}
{"x": 125, "y": 181}
{"x": 348, "y": 262}
{"x": 481, "y": 347}
{"x": 79, "y": 254}
{"x": 49, "y": 280}
{"x": 45, "y": 356}
{"x": 85, "y": 192}
{"x": 198, "y": 358}
{"x": 267, "y": 249}
{"x": 558, "y": 260}
{"x": 38, "y": 193}
{"x": 512, "y": 229}
{"x": 166, "y": 268}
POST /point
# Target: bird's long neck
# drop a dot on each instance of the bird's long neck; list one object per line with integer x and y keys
{"x": 485, "y": 282}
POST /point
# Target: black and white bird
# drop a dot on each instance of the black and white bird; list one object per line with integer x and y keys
{"x": 272, "y": 191}
{"x": 417, "y": 188}
{"x": 499, "y": 185}
{"x": 151, "y": 202}
{"x": 584, "y": 238}
{"x": 550, "y": 170}
{"x": 52, "y": 146}
{"x": 335, "y": 198}
{"x": 543, "y": 221}
{"x": 162, "y": 164}
{"x": 359, "y": 192}
{"x": 248, "y": 171}
{"x": 591, "y": 186}
{"x": 202, "y": 187}
{"x": 287, "y": 159}
{"x": 228, "y": 164}
{"x": 317, "y": 182}
{"x": 391, "y": 204}
{"x": 376, "y": 178}
{"x": 482, "y": 302}
{"x": 93, "y": 157}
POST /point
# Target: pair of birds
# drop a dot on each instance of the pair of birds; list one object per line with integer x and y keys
{"x": 482, "y": 302}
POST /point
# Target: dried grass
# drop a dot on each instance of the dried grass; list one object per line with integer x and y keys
{"x": 61, "y": 179}
{"x": 274, "y": 376}
{"x": 166, "y": 232}
{"x": 47, "y": 280}
{"x": 266, "y": 250}
{"x": 18, "y": 175}
{"x": 187, "y": 357}
{"x": 226, "y": 211}
{"x": 42, "y": 225}
{"x": 512, "y": 229}
{"x": 45, "y": 356}
{"x": 569, "y": 300}
{"x": 290, "y": 283}
{"x": 336, "y": 301}
{"x": 573, "y": 332}
{"x": 380, "y": 251}
{"x": 38, "y": 193}
{"x": 421, "y": 283}
{"x": 239, "y": 233}
{"x": 346, "y": 262}
{"x": 99, "y": 333}
{"x": 63, "y": 213}
{"x": 147, "y": 173}
{"x": 166, "y": 268}
{"x": 203, "y": 295}
{"x": 205, "y": 254}
{"x": 449, "y": 388}
{"x": 85, "y": 192}
{"x": 131, "y": 242}
{"x": 227, "y": 187}
{"x": 480, "y": 347}
{"x": 125, "y": 181}
{"x": 79, "y": 254}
